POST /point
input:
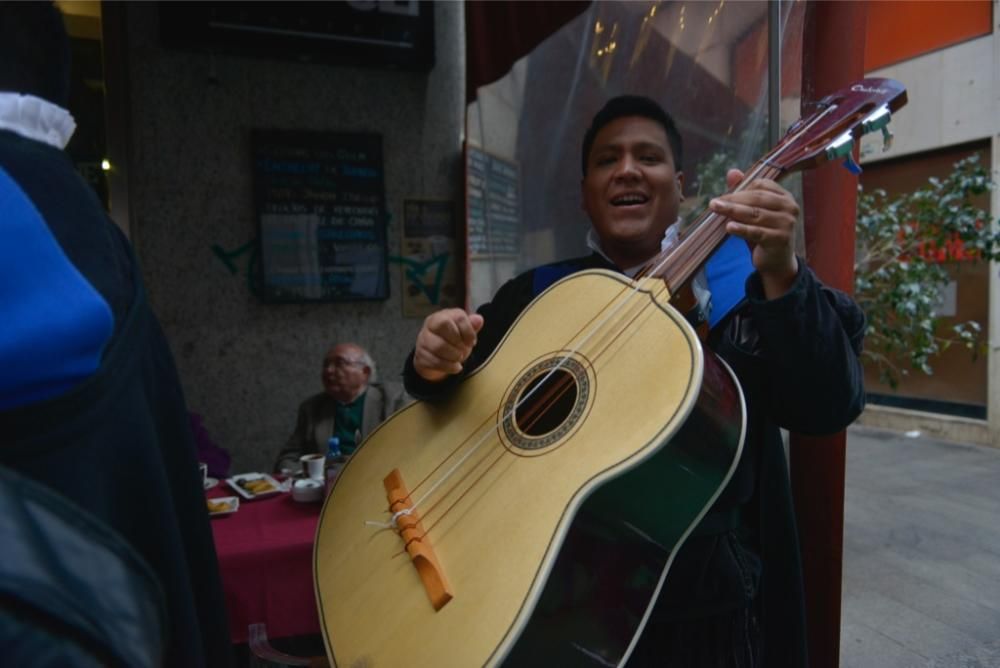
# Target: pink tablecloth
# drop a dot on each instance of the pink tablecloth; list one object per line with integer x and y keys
{"x": 265, "y": 555}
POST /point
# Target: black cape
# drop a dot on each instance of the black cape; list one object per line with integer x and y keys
{"x": 119, "y": 445}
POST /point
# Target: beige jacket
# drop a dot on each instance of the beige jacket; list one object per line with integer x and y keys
{"x": 314, "y": 425}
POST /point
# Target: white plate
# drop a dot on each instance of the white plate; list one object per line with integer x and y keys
{"x": 210, "y": 483}
{"x": 232, "y": 504}
{"x": 234, "y": 482}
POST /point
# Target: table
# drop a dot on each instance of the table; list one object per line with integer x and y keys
{"x": 265, "y": 557}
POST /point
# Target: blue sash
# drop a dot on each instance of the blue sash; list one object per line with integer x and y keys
{"x": 54, "y": 323}
{"x": 727, "y": 271}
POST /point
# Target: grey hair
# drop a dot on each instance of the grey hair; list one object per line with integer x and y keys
{"x": 367, "y": 360}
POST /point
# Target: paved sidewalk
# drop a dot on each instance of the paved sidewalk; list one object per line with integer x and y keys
{"x": 921, "y": 553}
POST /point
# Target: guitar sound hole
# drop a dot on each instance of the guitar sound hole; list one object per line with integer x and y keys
{"x": 548, "y": 406}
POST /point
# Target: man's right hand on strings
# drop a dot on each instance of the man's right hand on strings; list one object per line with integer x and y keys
{"x": 445, "y": 342}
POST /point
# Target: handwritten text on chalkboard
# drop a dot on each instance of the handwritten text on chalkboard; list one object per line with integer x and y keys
{"x": 493, "y": 197}
{"x": 320, "y": 200}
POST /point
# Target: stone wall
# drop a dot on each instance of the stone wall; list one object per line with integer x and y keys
{"x": 246, "y": 365}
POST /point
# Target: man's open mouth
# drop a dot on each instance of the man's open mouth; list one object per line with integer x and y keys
{"x": 629, "y": 199}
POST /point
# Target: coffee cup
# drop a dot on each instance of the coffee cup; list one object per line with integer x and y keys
{"x": 312, "y": 466}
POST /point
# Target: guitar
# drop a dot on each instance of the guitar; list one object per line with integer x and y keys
{"x": 531, "y": 517}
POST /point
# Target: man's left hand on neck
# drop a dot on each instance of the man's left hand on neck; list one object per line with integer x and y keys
{"x": 765, "y": 215}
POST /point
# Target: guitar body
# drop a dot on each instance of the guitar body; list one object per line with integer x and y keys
{"x": 553, "y": 535}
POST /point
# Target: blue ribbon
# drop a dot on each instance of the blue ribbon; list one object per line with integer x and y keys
{"x": 54, "y": 323}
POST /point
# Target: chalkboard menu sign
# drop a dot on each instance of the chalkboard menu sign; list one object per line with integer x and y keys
{"x": 492, "y": 197}
{"x": 320, "y": 201}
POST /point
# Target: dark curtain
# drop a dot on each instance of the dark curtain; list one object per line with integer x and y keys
{"x": 497, "y": 34}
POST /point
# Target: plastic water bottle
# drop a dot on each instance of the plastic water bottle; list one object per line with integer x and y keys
{"x": 334, "y": 461}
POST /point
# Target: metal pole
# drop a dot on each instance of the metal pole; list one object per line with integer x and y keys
{"x": 993, "y": 382}
{"x": 773, "y": 72}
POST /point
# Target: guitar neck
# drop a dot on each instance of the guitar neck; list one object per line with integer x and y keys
{"x": 678, "y": 263}
{"x": 696, "y": 244}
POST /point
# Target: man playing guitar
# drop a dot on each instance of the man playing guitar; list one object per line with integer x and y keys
{"x": 733, "y": 596}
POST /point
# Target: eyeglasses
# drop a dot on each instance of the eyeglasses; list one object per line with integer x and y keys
{"x": 343, "y": 363}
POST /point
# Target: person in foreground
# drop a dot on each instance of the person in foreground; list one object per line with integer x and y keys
{"x": 350, "y": 406}
{"x": 91, "y": 407}
{"x": 733, "y": 596}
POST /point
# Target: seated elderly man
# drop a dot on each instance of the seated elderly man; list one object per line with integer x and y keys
{"x": 351, "y": 405}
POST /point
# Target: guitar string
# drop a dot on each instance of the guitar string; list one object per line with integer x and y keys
{"x": 500, "y": 456}
{"x": 561, "y": 386}
{"x": 644, "y": 311}
{"x": 488, "y": 419}
{"x": 631, "y": 293}
{"x": 427, "y": 531}
{"x": 536, "y": 412}
{"x": 615, "y": 334}
{"x": 554, "y": 393}
{"x": 708, "y": 220}
{"x": 470, "y": 471}
{"x": 528, "y": 395}
{"x": 564, "y": 383}
{"x": 495, "y": 426}
{"x": 430, "y": 509}
{"x": 766, "y": 166}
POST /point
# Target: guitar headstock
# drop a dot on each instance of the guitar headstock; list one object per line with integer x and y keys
{"x": 840, "y": 118}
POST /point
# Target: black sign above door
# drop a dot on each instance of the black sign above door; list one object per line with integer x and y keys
{"x": 384, "y": 33}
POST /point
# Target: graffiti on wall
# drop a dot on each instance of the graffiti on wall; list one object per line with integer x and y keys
{"x": 245, "y": 259}
{"x": 427, "y": 260}
{"x": 424, "y": 276}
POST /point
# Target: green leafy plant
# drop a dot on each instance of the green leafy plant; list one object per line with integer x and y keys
{"x": 900, "y": 271}
{"x": 901, "y": 265}
{"x": 710, "y": 175}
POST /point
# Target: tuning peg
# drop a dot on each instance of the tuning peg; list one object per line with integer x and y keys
{"x": 879, "y": 120}
{"x": 886, "y": 139}
{"x": 839, "y": 147}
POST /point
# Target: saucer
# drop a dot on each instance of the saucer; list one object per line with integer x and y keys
{"x": 210, "y": 483}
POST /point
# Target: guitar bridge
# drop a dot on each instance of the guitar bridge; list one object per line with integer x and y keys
{"x": 407, "y": 522}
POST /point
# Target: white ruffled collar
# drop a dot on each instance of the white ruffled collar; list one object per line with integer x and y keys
{"x": 594, "y": 244}
{"x": 35, "y": 118}
{"x": 699, "y": 283}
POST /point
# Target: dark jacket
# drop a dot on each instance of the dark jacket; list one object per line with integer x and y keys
{"x": 797, "y": 361}
{"x": 72, "y": 591}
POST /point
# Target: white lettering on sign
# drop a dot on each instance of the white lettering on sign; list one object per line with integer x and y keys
{"x": 859, "y": 88}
